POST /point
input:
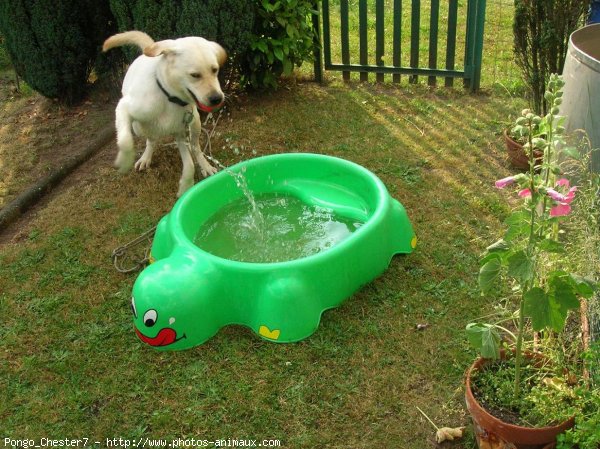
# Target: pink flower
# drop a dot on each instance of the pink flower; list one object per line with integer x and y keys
{"x": 556, "y": 196}
{"x": 525, "y": 193}
{"x": 501, "y": 183}
{"x": 561, "y": 198}
{"x": 564, "y": 200}
{"x": 560, "y": 210}
{"x": 571, "y": 194}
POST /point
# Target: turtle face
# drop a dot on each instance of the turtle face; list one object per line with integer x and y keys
{"x": 173, "y": 303}
{"x": 155, "y": 326}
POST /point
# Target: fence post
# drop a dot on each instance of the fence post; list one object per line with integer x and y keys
{"x": 469, "y": 38}
{"x": 318, "y": 65}
{"x": 478, "y": 45}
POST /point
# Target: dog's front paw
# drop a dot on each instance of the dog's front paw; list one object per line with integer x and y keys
{"x": 124, "y": 161}
{"x": 143, "y": 163}
{"x": 207, "y": 170}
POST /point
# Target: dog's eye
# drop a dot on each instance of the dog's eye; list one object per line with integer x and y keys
{"x": 215, "y": 70}
{"x": 196, "y": 75}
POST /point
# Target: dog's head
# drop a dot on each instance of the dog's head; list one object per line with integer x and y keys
{"x": 191, "y": 69}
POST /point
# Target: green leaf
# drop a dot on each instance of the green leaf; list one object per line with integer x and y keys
{"x": 520, "y": 267}
{"x": 563, "y": 292}
{"x": 552, "y": 246}
{"x": 538, "y": 307}
{"x": 500, "y": 246}
{"x": 278, "y": 52}
{"x": 571, "y": 152}
{"x": 485, "y": 339}
{"x": 518, "y": 225}
{"x": 262, "y": 46}
{"x": 544, "y": 310}
{"x": 488, "y": 274}
{"x": 291, "y": 30}
{"x": 288, "y": 67}
{"x": 584, "y": 286}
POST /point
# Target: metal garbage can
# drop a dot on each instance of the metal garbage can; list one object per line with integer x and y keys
{"x": 581, "y": 95}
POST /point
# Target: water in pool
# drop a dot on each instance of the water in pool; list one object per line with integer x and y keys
{"x": 284, "y": 229}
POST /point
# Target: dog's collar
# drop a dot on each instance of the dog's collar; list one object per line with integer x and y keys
{"x": 171, "y": 98}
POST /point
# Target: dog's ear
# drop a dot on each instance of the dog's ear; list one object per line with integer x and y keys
{"x": 160, "y": 48}
{"x": 220, "y": 53}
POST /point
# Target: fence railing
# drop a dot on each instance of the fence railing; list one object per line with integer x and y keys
{"x": 356, "y": 20}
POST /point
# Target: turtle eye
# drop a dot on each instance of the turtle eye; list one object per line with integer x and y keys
{"x": 150, "y": 318}
{"x": 133, "y": 307}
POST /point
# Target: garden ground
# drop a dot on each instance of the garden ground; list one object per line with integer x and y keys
{"x": 70, "y": 363}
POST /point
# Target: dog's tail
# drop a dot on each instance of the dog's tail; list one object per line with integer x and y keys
{"x": 138, "y": 38}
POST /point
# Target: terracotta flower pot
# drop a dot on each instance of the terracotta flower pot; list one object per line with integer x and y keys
{"x": 517, "y": 155}
{"x": 493, "y": 433}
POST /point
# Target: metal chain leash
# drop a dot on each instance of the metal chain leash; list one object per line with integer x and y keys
{"x": 125, "y": 258}
{"x": 125, "y": 261}
{"x": 187, "y": 120}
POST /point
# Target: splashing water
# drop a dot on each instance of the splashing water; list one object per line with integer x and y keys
{"x": 257, "y": 222}
{"x": 290, "y": 229}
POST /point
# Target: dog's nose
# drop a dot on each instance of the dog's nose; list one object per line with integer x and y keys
{"x": 215, "y": 99}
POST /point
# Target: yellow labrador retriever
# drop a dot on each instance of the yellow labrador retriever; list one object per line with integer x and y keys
{"x": 161, "y": 93}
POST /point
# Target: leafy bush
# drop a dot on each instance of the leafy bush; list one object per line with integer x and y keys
{"x": 53, "y": 44}
{"x": 282, "y": 39}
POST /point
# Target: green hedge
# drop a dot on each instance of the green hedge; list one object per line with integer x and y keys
{"x": 264, "y": 38}
{"x": 228, "y": 22}
{"x": 53, "y": 44}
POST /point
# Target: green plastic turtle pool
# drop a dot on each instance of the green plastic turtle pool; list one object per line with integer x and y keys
{"x": 270, "y": 243}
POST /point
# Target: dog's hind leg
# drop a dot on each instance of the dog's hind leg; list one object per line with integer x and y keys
{"x": 144, "y": 161}
{"x": 187, "y": 174}
{"x": 125, "y": 142}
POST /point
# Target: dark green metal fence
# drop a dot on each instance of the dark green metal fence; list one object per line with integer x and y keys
{"x": 356, "y": 20}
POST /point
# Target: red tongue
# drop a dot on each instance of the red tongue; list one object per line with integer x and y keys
{"x": 164, "y": 337}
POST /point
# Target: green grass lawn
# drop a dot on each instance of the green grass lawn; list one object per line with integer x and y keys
{"x": 71, "y": 365}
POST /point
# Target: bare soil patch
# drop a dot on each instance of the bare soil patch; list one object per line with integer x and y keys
{"x": 37, "y": 135}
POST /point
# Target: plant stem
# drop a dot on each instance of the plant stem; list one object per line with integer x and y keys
{"x": 530, "y": 254}
{"x": 519, "y": 348}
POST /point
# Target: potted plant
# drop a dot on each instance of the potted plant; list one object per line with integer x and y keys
{"x": 518, "y": 396}
{"x": 515, "y": 140}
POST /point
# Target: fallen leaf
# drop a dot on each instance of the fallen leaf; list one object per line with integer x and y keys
{"x": 448, "y": 434}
